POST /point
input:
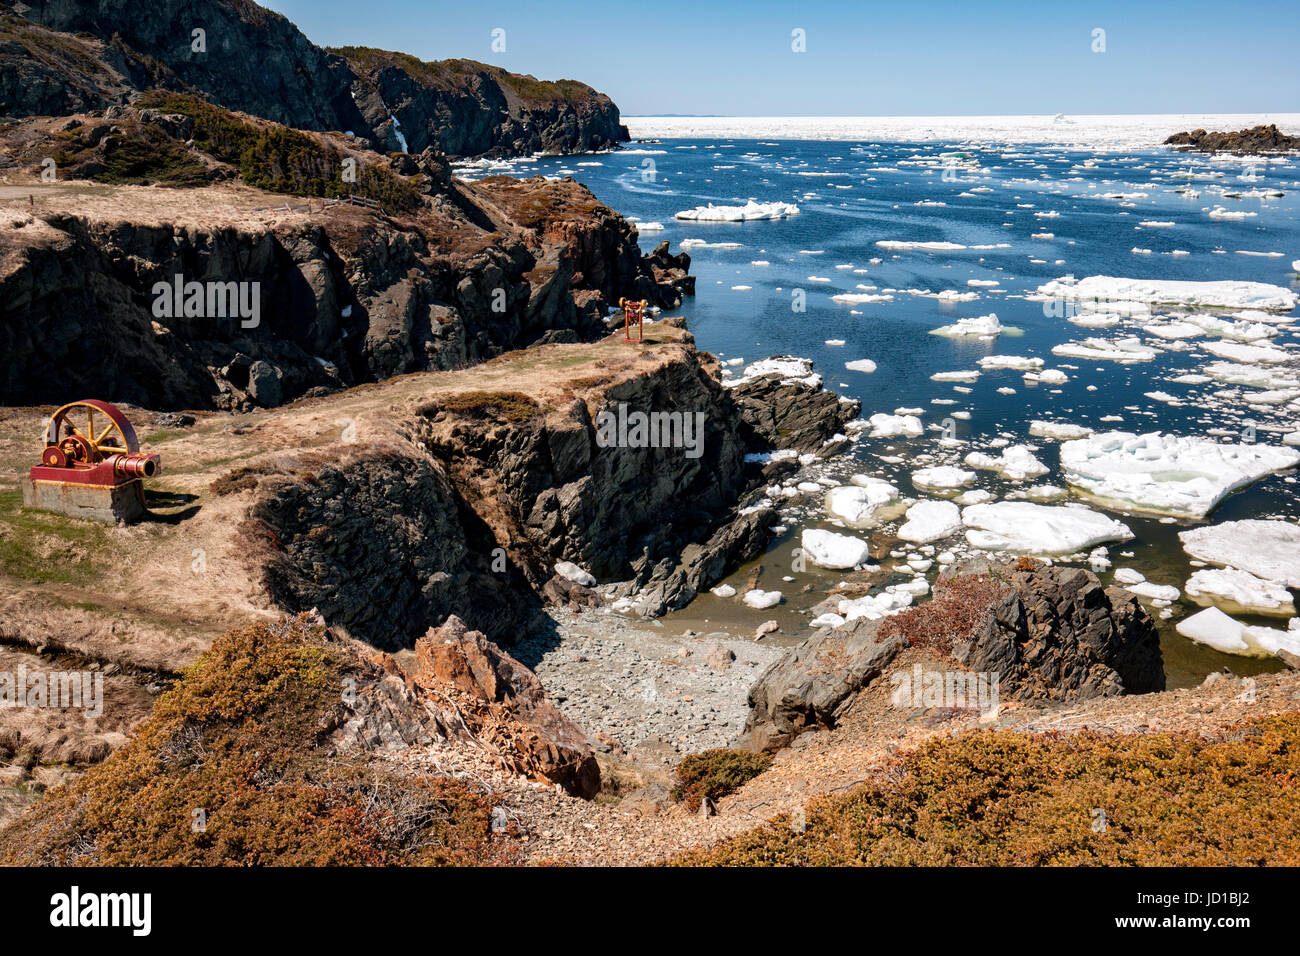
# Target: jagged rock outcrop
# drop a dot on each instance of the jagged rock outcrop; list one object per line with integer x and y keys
{"x": 1258, "y": 139}
{"x": 1047, "y": 632}
{"x": 1057, "y": 633}
{"x": 506, "y": 708}
{"x": 660, "y": 517}
{"x": 467, "y": 108}
{"x": 65, "y": 56}
{"x": 463, "y": 501}
{"x": 381, "y": 544}
{"x": 781, "y": 411}
{"x": 809, "y": 686}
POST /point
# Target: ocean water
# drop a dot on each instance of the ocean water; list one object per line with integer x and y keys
{"x": 1087, "y": 208}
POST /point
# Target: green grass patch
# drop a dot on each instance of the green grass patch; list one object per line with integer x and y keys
{"x": 47, "y": 548}
{"x": 512, "y": 406}
{"x": 282, "y": 160}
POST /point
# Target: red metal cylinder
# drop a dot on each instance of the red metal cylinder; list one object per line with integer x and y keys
{"x": 138, "y": 465}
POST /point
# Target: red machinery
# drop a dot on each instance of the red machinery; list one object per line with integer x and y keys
{"x": 633, "y": 312}
{"x": 91, "y": 443}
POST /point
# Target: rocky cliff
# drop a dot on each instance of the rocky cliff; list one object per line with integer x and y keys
{"x": 467, "y": 108}
{"x": 466, "y": 498}
{"x": 66, "y": 56}
{"x": 447, "y": 274}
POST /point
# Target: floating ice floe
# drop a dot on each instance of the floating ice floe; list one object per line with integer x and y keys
{"x": 955, "y": 376}
{"x": 723, "y": 591}
{"x": 875, "y": 606}
{"x": 929, "y": 246}
{"x": 760, "y": 599}
{"x": 929, "y": 521}
{"x": 860, "y": 365}
{"x": 890, "y": 426}
{"x": 1267, "y": 548}
{"x": 648, "y": 226}
{"x": 750, "y": 211}
{"x": 1136, "y": 582}
{"x": 705, "y": 244}
{"x": 984, "y": 327}
{"x": 1239, "y": 592}
{"x": 1223, "y": 293}
{"x": 1123, "y": 350}
{"x": 1016, "y": 462}
{"x": 859, "y": 298}
{"x": 1039, "y": 529}
{"x": 1166, "y": 474}
{"x": 1240, "y": 352}
{"x": 839, "y": 552}
{"x": 791, "y": 369}
{"x": 1018, "y": 362}
{"x": 1254, "y": 376}
{"x": 1215, "y": 629}
{"x": 942, "y": 476}
{"x": 865, "y": 503}
{"x": 1047, "y": 376}
{"x": 572, "y": 572}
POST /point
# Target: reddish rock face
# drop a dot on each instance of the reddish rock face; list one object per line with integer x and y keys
{"x": 505, "y": 704}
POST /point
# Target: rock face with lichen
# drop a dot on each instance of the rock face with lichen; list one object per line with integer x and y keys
{"x": 1047, "y": 633}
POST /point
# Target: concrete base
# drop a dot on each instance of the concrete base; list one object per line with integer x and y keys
{"x": 123, "y": 503}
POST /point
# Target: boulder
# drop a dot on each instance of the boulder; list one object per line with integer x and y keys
{"x": 809, "y": 685}
{"x": 507, "y": 705}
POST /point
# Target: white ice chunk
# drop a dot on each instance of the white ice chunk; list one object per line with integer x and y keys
{"x": 1039, "y": 529}
{"x": 826, "y": 549}
{"x": 571, "y": 572}
{"x": 1226, "y": 293}
{"x": 929, "y": 521}
{"x": 1166, "y": 474}
{"x": 750, "y": 211}
{"x": 1239, "y": 592}
{"x": 1267, "y": 548}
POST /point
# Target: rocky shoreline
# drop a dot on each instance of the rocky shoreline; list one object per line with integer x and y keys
{"x": 1249, "y": 142}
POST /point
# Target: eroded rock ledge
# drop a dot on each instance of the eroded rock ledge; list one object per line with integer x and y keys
{"x": 1047, "y": 632}
{"x": 462, "y": 500}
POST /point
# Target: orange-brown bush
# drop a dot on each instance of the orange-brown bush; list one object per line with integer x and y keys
{"x": 716, "y": 773}
{"x": 1020, "y": 799}
{"x": 236, "y": 747}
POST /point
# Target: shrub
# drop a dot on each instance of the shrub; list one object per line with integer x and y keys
{"x": 512, "y": 406}
{"x": 998, "y": 798}
{"x": 281, "y": 159}
{"x": 243, "y": 737}
{"x": 716, "y": 773}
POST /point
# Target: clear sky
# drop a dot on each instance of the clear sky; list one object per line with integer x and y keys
{"x": 905, "y": 57}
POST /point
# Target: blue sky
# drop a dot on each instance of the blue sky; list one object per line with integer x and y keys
{"x": 906, "y": 57}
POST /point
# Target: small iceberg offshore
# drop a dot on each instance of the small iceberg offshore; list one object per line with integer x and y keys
{"x": 983, "y": 327}
{"x": 750, "y": 211}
